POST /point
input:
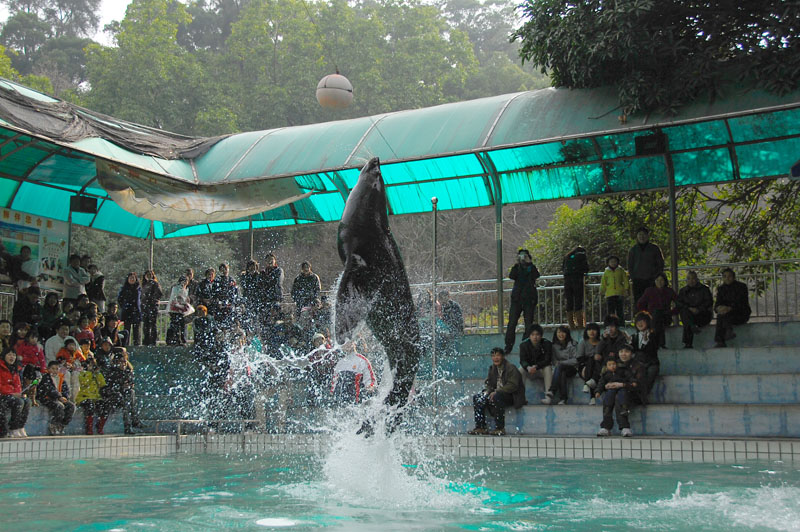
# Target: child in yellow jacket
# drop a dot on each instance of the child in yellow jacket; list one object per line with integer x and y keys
{"x": 614, "y": 286}
{"x": 90, "y": 397}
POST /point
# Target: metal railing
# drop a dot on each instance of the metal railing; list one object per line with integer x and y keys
{"x": 773, "y": 285}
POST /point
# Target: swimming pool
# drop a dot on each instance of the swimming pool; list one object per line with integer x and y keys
{"x": 384, "y": 485}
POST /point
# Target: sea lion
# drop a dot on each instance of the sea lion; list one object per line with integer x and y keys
{"x": 374, "y": 286}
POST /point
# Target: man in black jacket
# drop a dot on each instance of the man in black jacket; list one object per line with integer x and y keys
{"x": 504, "y": 388}
{"x": 536, "y": 356}
{"x": 523, "y": 295}
{"x": 732, "y": 306}
{"x": 694, "y": 305}
{"x": 645, "y": 262}
{"x": 575, "y": 267}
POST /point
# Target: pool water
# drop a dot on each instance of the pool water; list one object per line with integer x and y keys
{"x": 368, "y": 487}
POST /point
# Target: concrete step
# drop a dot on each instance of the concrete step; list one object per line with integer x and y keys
{"x": 38, "y": 418}
{"x": 779, "y": 388}
{"x": 747, "y": 335}
{"x": 723, "y": 361}
{"x": 653, "y": 420}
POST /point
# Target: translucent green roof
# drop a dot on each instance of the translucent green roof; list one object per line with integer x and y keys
{"x": 532, "y": 146}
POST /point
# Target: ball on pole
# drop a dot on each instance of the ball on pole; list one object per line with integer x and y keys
{"x": 334, "y": 91}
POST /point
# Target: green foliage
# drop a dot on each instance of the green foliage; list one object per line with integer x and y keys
{"x": 661, "y": 55}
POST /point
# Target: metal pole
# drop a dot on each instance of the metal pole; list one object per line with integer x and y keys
{"x": 498, "y": 237}
{"x": 775, "y": 290}
{"x": 151, "y": 238}
{"x": 250, "y": 219}
{"x": 434, "y": 201}
{"x": 673, "y": 223}
{"x": 69, "y": 233}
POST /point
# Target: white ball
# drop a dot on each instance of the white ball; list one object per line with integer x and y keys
{"x": 335, "y": 91}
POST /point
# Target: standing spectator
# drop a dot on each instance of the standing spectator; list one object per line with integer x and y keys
{"x": 452, "y": 315}
{"x": 6, "y": 336}
{"x": 24, "y": 270}
{"x": 191, "y": 285}
{"x": 250, "y": 283}
{"x": 86, "y": 260}
{"x": 205, "y": 291}
{"x": 575, "y": 267}
{"x": 27, "y": 308}
{"x": 659, "y": 301}
{"x": 179, "y": 307}
{"x": 352, "y": 374}
{"x": 645, "y": 262}
{"x": 130, "y": 304}
{"x": 271, "y": 282}
{"x": 732, "y": 306}
{"x": 151, "y": 295}
{"x": 75, "y": 279}
{"x": 523, "y": 295}
{"x": 565, "y": 362}
{"x": 119, "y": 392}
{"x": 536, "y": 357}
{"x": 504, "y": 387}
{"x": 695, "y": 305}
{"x": 11, "y": 398}
{"x": 614, "y": 286}
{"x": 54, "y": 394}
{"x": 96, "y": 288}
{"x": 225, "y": 297}
{"x": 306, "y": 289}
{"x": 89, "y": 398}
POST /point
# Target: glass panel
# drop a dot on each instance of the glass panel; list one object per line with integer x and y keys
{"x": 7, "y": 189}
{"x": 618, "y": 145}
{"x": 768, "y": 158}
{"x": 330, "y": 206}
{"x": 698, "y": 135}
{"x": 637, "y": 174}
{"x": 111, "y": 217}
{"x": 765, "y": 125}
{"x": 452, "y": 194}
{"x": 697, "y": 167}
{"x": 571, "y": 151}
{"x": 444, "y": 167}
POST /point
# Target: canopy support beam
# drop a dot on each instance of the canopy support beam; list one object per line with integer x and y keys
{"x": 151, "y": 241}
{"x": 491, "y": 170}
{"x": 250, "y": 234}
{"x": 673, "y": 224}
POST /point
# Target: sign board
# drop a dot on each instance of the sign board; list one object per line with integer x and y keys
{"x": 47, "y": 239}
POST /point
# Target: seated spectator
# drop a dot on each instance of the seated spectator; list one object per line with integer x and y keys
{"x": 113, "y": 309}
{"x": 130, "y": 304}
{"x": 54, "y": 394}
{"x": 96, "y": 288}
{"x": 112, "y": 331}
{"x": 179, "y": 308}
{"x": 352, "y": 374}
{"x": 504, "y": 387}
{"x": 151, "y": 295}
{"x": 82, "y": 304}
{"x": 119, "y": 392}
{"x": 85, "y": 332}
{"x": 565, "y": 362}
{"x": 89, "y": 398}
{"x": 321, "y": 361}
{"x": 31, "y": 352}
{"x": 85, "y": 345}
{"x": 536, "y": 357}
{"x": 6, "y": 337}
{"x": 732, "y": 306}
{"x": 54, "y": 344}
{"x": 659, "y": 301}
{"x": 51, "y": 315}
{"x": 590, "y": 360}
{"x": 612, "y": 339}
{"x": 27, "y": 308}
{"x": 72, "y": 359}
{"x": 695, "y": 305}
{"x": 612, "y": 387}
{"x": 12, "y": 402}
{"x": 20, "y": 331}
{"x": 205, "y": 333}
{"x": 103, "y": 354}
{"x": 645, "y": 348}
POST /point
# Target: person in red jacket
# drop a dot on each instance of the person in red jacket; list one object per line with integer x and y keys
{"x": 660, "y": 302}
{"x": 11, "y": 399}
{"x": 30, "y": 351}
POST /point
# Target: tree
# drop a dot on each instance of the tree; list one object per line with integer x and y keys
{"x": 73, "y": 18}
{"x": 661, "y": 55}
{"x": 24, "y": 33}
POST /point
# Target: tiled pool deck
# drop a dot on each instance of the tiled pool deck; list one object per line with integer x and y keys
{"x": 509, "y": 447}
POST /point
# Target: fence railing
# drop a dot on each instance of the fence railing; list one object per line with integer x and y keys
{"x": 773, "y": 285}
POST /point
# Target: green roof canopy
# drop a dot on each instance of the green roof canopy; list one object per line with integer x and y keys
{"x": 531, "y": 146}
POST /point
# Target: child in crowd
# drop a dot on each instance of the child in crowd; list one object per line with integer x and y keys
{"x": 645, "y": 346}
{"x": 71, "y": 357}
{"x": 614, "y": 285}
{"x": 119, "y": 391}
{"x": 590, "y": 360}
{"x": 90, "y": 398}
{"x": 53, "y": 393}
{"x": 86, "y": 348}
{"x": 103, "y": 354}
{"x": 20, "y": 330}
{"x": 612, "y": 386}
{"x": 31, "y": 351}
{"x": 85, "y": 332}
{"x": 352, "y": 374}
{"x": 11, "y": 399}
{"x": 5, "y": 334}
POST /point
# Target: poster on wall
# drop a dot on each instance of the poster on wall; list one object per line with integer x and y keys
{"x": 37, "y": 245}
